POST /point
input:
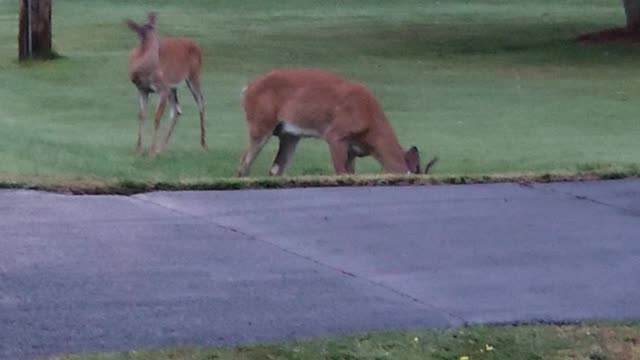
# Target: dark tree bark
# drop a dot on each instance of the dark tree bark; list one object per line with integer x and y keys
{"x": 630, "y": 32}
{"x": 34, "y": 32}
{"x": 632, "y": 11}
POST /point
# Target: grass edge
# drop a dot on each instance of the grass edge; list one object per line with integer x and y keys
{"x": 85, "y": 186}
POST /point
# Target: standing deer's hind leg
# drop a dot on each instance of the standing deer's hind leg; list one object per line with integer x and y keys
{"x": 194, "y": 86}
{"x": 174, "y": 114}
{"x": 174, "y": 93}
{"x": 143, "y": 100}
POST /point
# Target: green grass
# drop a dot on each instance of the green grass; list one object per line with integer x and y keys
{"x": 594, "y": 342}
{"x": 491, "y": 86}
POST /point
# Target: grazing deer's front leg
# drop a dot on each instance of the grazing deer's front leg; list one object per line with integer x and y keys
{"x": 288, "y": 144}
{"x": 143, "y": 100}
{"x": 351, "y": 162}
{"x": 339, "y": 155}
{"x": 339, "y": 148}
{"x": 164, "y": 95}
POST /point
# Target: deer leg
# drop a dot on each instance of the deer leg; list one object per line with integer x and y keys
{"x": 339, "y": 157}
{"x": 194, "y": 86}
{"x": 174, "y": 114}
{"x": 339, "y": 148}
{"x": 256, "y": 143}
{"x": 287, "y": 147}
{"x": 174, "y": 92}
{"x": 143, "y": 100}
{"x": 162, "y": 103}
{"x": 351, "y": 162}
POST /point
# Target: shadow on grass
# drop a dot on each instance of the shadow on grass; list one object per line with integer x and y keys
{"x": 529, "y": 42}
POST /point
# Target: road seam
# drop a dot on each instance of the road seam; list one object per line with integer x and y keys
{"x": 453, "y": 319}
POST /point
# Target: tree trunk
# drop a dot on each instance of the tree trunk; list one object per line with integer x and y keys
{"x": 34, "y": 33}
{"x": 632, "y": 11}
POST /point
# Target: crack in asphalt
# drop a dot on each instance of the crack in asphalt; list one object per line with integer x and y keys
{"x": 584, "y": 198}
{"x": 453, "y": 319}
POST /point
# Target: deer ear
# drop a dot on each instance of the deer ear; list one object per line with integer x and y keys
{"x": 134, "y": 26}
{"x": 430, "y": 164}
{"x": 151, "y": 18}
{"x": 412, "y": 158}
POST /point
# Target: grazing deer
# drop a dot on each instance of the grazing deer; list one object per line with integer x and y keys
{"x": 161, "y": 65}
{"x": 296, "y": 103}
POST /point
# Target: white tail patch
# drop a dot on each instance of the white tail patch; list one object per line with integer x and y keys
{"x": 274, "y": 169}
{"x": 289, "y": 128}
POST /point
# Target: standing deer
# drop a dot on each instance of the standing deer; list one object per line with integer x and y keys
{"x": 161, "y": 65}
{"x": 296, "y": 103}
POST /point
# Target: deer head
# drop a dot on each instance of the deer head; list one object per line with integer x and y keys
{"x": 412, "y": 159}
{"x": 146, "y": 31}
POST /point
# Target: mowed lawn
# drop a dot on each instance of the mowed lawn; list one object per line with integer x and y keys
{"x": 491, "y": 86}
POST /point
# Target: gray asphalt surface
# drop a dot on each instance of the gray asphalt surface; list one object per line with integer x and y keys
{"x": 108, "y": 273}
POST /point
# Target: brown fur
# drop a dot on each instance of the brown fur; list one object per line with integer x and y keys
{"x": 160, "y": 65}
{"x": 342, "y": 112}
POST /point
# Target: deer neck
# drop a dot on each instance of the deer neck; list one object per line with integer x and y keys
{"x": 149, "y": 56}
{"x": 393, "y": 159}
{"x": 150, "y": 44}
{"x": 390, "y": 152}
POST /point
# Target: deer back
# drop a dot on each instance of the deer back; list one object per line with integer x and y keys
{"x": 180, "y": 59}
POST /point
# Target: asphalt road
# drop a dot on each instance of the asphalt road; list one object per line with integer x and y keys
{"x": 109, "y": 273}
